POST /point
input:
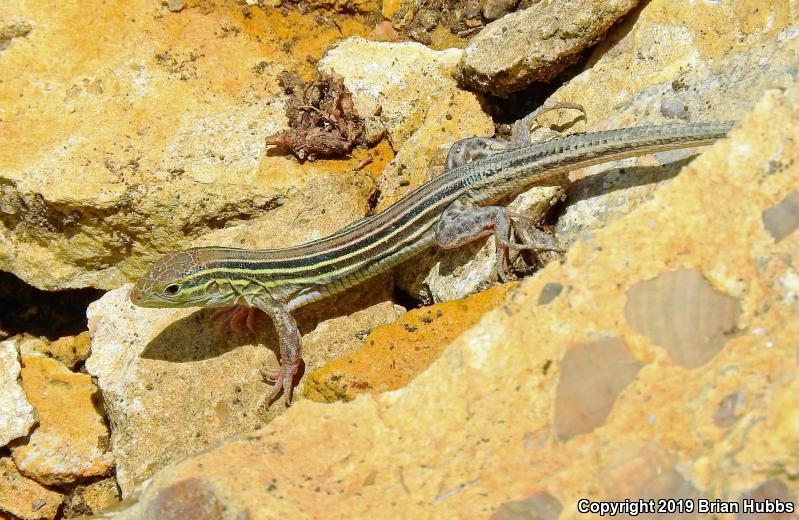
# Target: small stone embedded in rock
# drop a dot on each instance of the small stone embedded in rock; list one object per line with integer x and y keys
{"x": 681, "y": 312}
{"x": 494, "y": 9}
{"x": 541, "y": 506}
{"x": 729, "y": 409}
{"x": 175, "y": 5}
{"x": 23, "y": 497}
{"x": 193, "y": 498}
{"x": 782, "y": 219}
{"x": 666, "y": 484}
{"x": 549, "y": 293}
{"x": 673, "y": 108}
{"x": 591, "y": 378}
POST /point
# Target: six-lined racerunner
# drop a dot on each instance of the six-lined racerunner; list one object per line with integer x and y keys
{"x": 453, "y": 209}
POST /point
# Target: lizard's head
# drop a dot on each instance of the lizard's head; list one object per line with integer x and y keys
{"x": 177, "y": 280}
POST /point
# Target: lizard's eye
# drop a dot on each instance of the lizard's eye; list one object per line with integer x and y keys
{"x": 172, "y": 289}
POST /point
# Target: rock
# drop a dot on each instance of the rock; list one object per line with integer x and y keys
{"x": 17, "y": 416}
{"x": 69, "y": 350}
{"x": 150, "y": 135}
{"x": 175, "y": 6}
{"x": 474, "y": 433}
{"x": 782, "y": 219}
{"x": 445, "y": 122}
{"x": 674, "y": 65}
{"x": 344, "y": 6}
{"x": 437, "y": 23}
{"x": 394, "y": 354}
{"x": 90, "y": 499}
{"x": 71, "y": 441}
{"x": 11, "y": 30}
{"x": 418, "y": 102}
{"x": 25, "y": 498}
{"x": 711, "y": 80}
{"x": 536, "y": 44}
{"x": 154, "y": 364}
{"x": 711, "y": 76}
{"x": 400, "y": 82}
{"x": 495, "y": 9}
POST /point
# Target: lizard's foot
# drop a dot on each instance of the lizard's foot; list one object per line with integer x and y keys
{"x": 235, "y": 316}
{"x": 283, "y": 379}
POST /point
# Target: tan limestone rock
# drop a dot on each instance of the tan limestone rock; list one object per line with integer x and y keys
{"x": 473, "y": 435}
{"x": 144, "y": 130}
{"x": 17, "y": 416}
{"x": 414, "y": 92}
{"x": 537, "y": 43}
{"x": 25, "y": 498}
{"x": 71, "y": 440}
{"x": 674, "y": 69}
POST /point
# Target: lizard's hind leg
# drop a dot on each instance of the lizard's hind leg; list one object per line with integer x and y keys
{"x": 471, "y": 149}
{"x": 463, "y": 222}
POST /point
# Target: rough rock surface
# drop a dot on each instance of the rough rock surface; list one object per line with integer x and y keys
{"x": 155, "y": 366}
{"x": 537, "y": 43}
{"x": 670, "y": 59}
{"x": 473, "y": 435}
{"x": 25, "y": 498}
{"x": 413, "y": 91}
{"x": 400, "y": 82}
{"x": 394, "y": 354}
{"x": 441, "y": 24}
{"x": 71, "y": 440}
{"x": 17, "y": 416}
{"x": 90, "y": 499}
{"x": 69, "y": 350}
{"x": 142, "y": 135}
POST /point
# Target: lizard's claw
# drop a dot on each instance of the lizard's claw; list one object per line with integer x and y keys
{"x": 283, "y": 379}
{"x": 235, "y": 316}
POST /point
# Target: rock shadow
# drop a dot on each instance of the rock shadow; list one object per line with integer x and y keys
{"x": 196, "y": 336}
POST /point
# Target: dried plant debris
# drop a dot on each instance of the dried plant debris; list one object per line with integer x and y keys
{"x": 322, "y": 118}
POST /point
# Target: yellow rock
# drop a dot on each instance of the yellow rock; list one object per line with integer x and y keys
{"x": 69, "y": 350}
{"x": 145, "y": 132}
{"x": 72, "y": 440}
{"x": 23, "y": 497}
{"x": 394, "y": 354}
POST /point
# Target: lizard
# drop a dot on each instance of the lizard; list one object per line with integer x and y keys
{"x": 457, "y": 207}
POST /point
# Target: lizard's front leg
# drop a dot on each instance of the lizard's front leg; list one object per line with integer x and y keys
{"x": 290, "y": 348}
